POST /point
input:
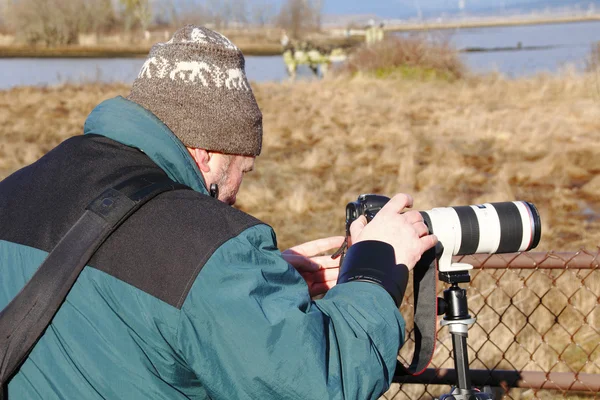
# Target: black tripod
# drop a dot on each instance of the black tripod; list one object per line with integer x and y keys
{"x": 457, "y": 318}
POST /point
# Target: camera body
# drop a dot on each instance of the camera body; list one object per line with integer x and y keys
{"x": 489, "y": 228}
{"x": 367, "y": 205}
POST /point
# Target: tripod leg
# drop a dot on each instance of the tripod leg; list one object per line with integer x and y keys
{"x": 461, "y": 360}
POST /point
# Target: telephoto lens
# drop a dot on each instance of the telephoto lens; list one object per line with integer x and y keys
{"x": 489, "y": 228}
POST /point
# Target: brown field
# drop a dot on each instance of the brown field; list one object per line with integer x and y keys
{"x": 447, "y": 143}
{"x": 473, "y": 140}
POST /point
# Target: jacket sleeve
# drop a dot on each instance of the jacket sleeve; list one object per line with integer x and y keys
{"x": 249, "y": 329}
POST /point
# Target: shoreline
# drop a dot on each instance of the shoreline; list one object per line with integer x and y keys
{"x": 266, "y": 49}
{"x": 424, "y": 26}
{"x": 100, "y": 52}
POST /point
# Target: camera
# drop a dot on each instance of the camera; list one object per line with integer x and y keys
{"x": 367, "y": 205}
{"x": 489, "y": 228}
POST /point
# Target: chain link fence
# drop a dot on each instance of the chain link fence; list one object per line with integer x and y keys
{"x": 537, "y": 334}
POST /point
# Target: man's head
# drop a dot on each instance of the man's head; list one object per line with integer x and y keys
{"x": 196, "y": 85}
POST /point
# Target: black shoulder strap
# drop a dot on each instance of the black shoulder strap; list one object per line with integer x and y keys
{"x": 425, "y": 318}
{"x": 28, "y": 315}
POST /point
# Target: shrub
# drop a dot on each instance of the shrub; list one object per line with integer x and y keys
{"x": 414, "y": 57}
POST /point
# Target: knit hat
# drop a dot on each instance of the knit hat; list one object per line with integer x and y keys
{"x": 196, "y": 84}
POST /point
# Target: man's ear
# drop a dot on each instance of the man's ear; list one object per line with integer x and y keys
{"x": 202, "y": 158}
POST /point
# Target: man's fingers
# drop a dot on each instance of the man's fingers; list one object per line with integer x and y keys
{"x": 311, "y": 265}
{"x": 321, "y": 276}
{"x": 325, "y": 275}
{"x": 421, "y": 229}
{"x": 357, "y": 226}
{"x": 428, "y": 242}
{"x": 318, "y": 246}
{"x": 326, "y": 261}
{"x": 413, "y": 216}
{"x": 397, "y": 203}
{"x": 301, "y": 263}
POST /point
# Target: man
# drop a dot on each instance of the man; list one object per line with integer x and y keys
{"x": 374, "y": 33}
{"x": 189, "y": 297}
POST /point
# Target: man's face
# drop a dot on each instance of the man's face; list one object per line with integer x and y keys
{"x": 231, "y": 170}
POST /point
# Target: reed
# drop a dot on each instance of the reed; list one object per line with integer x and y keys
{"x": 593, "y": 60}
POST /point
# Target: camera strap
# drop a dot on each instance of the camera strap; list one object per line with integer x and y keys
{"x": 425, "y": 314}
{"x": 24, "y": 320}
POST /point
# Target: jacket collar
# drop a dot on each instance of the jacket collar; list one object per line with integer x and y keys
{"x": 129, "y": 123}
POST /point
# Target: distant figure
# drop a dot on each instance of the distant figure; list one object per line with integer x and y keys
{"x": 285, "y": 40}
{"x": 380, "y": 34}
{"x": 374, "y": 33}
{"x": 317, "y": 58}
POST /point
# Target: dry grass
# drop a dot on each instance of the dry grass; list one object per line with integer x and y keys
{"x": 593, "y": 61}
{"x": 447, "y": 143}
{"x": 472, "y": 141}
{"x": 407, "y": 57}
{"x": 34, "y": 120}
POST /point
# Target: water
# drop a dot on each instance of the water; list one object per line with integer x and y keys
{"x": 38, "y": 71}
{"x": 571, "y": 43}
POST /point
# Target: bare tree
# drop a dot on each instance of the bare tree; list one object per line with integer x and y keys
{"x": 136, "y": 12}
{"x": 219, "y": 14}
{"x": 182, "y": 12}
{"x": 143, "y": 14}
{"x": 3, "y": 10}
{"x": 300, "y": 16}
{"x": 97, "y": 16}
{"x": 56, "y": 22}
{"x": 317, "y": 13}
{"x": 263, "y": 13}
{"x": 238, "y": 12}
{"x": 165, "y": 12}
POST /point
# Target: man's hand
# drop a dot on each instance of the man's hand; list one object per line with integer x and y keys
{"x": 320, "y": 273}
{"x": 406, "y": 232}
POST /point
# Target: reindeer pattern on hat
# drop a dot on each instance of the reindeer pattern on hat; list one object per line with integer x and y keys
{"x": 193, "y": 72}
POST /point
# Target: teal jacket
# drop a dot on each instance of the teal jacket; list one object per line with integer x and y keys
{"x": 160, "y": 314}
